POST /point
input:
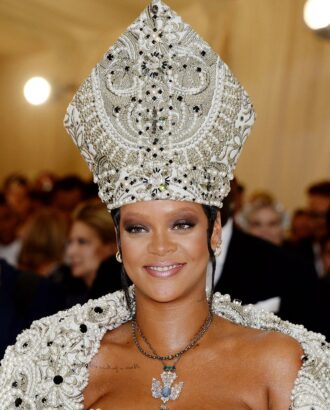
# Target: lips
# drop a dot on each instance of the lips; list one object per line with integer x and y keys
{"x": 164, "y": 270}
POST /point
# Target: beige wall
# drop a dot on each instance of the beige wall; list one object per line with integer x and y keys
{"x": 284, "y": 67}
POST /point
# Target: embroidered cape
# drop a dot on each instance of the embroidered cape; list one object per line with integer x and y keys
{"x": 47, "y": 368}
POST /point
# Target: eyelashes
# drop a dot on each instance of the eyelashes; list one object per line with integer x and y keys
{"x": 183, "y": 225}
{"x": 134, "y": 228}
{"x": 180, "y": 225}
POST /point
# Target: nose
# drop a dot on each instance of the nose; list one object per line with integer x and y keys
{"x": 161, "y": 244}
{"x": 71, "y": 249}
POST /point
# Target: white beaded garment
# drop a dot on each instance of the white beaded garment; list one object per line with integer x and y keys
{"x": 47, "y": 367}
{"x": 161, "y": 116}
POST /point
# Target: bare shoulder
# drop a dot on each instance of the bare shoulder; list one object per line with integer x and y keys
{"x": 279, "y": 357}
{"x": 270, "y": 360}
{"x": 280, "y": 353}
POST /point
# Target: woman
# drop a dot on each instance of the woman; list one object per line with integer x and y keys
{"x": 262, "y": 216}
{"x": 92, "y": 241}
{"x": 161, "y": 121}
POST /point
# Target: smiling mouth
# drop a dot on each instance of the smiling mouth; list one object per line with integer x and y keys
{"x": 161, "y": 271}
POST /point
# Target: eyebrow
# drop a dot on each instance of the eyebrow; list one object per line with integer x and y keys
{"x": 176, "y": 213}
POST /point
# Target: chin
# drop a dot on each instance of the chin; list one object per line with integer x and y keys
{"x": 165, "y": 291}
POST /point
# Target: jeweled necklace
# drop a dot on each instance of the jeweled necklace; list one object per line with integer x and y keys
{"x": 165, "y": 390}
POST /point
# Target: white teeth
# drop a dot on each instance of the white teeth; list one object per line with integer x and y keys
{"x": 163, "y": 268}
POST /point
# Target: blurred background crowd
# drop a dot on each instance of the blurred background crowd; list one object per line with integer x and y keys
{"x": 58, "y": 245}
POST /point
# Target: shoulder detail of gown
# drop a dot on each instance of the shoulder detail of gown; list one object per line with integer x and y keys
{"x": 47, "y": 368}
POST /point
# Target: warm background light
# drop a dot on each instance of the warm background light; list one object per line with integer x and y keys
{"x": 317, "y": 14}
{"x": 37, "y": 90}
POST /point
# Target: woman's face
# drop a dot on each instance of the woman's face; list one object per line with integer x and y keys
{"x": 164, "y": 247}
{"x": 266, "y": 224}
{"x": 86, "y": 251}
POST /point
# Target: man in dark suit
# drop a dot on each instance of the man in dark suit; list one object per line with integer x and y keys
{"x": 253, "y": 270}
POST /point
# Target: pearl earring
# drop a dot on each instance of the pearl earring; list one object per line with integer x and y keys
{"x": 218, "y": 249}
{"x": 118, "y": 257}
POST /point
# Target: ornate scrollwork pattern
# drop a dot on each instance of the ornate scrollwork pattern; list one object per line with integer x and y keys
{"x": 160, "y": 99}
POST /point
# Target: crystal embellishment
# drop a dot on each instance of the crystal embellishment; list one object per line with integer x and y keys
{"x": 165, "y": 390}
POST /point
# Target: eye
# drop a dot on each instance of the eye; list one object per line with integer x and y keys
{"x": 82, "y": 241}
{"x": 183, "y": 225}
{"x": 135, "y": 228}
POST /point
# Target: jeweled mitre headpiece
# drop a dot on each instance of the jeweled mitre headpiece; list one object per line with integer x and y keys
{"x": 161, "y": 116}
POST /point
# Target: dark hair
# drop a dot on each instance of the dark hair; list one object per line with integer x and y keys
{"x": 18, "y": 179}
{"x": 68, "y": 183}
{"x": 211, "y": 214}
{"x": 321, "y": 188}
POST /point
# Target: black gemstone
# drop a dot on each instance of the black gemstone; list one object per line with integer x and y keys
{"x": 170, "y": 107}
{"x": 154, "y": 98}
{"x": 203, "y": 53}
{"x": 140, "y": 101}
{"x": 18, "y": 402}
{"x": 58, "y": 379}
{"x": 170, "y": 161}
{"x": 49, "y": 343}
{"x": 15, "y": 384}
{"x": 140, "y": 132}
{"x": 133, "y": 99}
{"x": 160, "y": 92}
{"x": 155, "y": 30}
{"x": 184, "y": 66}
{"x": 196, "y": 108}
{"x": 147, "y": 92}
{"x": 25, "y": 344}
{"x": 132, "y": 197}
{"x": 148, "y": 149}
{"x": 98, "y": 309}
{"x": 154, "y": 9}
{"x": 153, "y": 42}
{"x": 141, "y": 52}
{"x": 117, "y": 110}
{"x": 155, "y": 155}
{"x": 83, "y": 328}
{"x": 148, "y": 35}
{"x": 44, "y": 400}
{"x": 170, "y": 46}
{"x": 127, "y": 68}
{"x": 110, "y": 57}
{"x": 112, "y": 72}
{"x": 198, "y": 69}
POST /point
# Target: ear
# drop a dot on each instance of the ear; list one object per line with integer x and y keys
{"x": 216, "y": 234}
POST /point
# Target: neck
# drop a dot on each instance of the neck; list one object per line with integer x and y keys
{"x": 89, "y": 279}
{"x": 169, "y": 327}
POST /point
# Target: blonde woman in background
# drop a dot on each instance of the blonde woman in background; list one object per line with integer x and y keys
{"x": 264, "y": 217}
{"x": 91, "y": 242}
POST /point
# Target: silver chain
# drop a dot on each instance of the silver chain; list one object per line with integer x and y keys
{"x": 136, "y": 329}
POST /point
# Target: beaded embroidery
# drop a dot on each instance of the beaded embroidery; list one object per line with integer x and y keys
{"x": 47, "y": 367}
{"x": 161, "y": 116}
